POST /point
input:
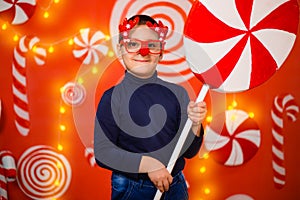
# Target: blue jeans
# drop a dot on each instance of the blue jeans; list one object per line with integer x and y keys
{"x": 124, "y": 188}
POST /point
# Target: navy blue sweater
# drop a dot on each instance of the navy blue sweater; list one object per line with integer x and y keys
{"x": 142, "y": 117}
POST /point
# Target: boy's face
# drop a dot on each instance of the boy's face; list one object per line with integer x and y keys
{"x": 142, "y": 66}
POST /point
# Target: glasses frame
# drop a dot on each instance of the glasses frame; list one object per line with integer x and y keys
{"x": 143, "y": 44}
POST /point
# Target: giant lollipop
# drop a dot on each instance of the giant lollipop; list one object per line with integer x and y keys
{"x": 233, "y": 46}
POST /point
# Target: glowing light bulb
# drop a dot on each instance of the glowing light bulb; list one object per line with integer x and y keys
{"x": 56, "y": 1}
{"x": 94, "y": 70}
{"x": 233, "y": 118}
{"x": 251, "y": 115}
{"x": 60, "y": 147}
{"x": 107, "y": 37}
{"x": 230, "y": 107}
{"x": 111, "y": 54}
{"x": 46, "y": 15}
{"x": 80, "y": 80}
{"x": 234, "y": 104}
{"x": 62, "y": 127}
{"x": 4, "y": 26}
{"x": 62, "y": 110}
{"x": 34, "y": 49}
{"x": 202, "y": 170}
{"x": 56, "y": 183}
{"x": 16, "y": 38}
{"x": 205, "y": 156}
{"x": 58, "y": 165}
{"x": 207, "y": 191}
{"x": 51, "y": 49}
{"x": 208, "y": 119}
{"x": 71, "y": 41}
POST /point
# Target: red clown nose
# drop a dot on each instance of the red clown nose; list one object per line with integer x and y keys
{"x": 144, "y": 51}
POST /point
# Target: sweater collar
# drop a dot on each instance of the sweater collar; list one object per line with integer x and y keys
{"x": 130, "y": 78}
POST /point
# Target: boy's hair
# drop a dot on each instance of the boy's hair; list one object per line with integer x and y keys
{"x": 143, "y": 19}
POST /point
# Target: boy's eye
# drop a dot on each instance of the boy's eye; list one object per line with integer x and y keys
{"x": 154, "y": 45}
{"x": 133, "y": 44}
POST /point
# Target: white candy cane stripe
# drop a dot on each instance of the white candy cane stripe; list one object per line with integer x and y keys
{"x": 284, "y": 104}
{"x": 7, "y": 160}
{"x": 3, "y": 184}
{"x": 19, "y": 86}
{"x": 89, "y": 154}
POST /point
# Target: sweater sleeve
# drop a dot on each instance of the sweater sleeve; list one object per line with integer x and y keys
{"x": 107, "y": 154}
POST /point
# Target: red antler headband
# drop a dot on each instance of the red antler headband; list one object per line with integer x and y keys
{"x": 159, "y": 28}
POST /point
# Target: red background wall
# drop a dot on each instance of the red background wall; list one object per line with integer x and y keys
{"x": 253, "y": 178}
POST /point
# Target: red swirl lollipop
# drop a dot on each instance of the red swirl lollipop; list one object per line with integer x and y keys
{"x": 237, "y": 45}
{"x": 17, "y": 11}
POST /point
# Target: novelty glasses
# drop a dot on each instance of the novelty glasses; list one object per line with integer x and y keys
{"x": 135, "y": 45}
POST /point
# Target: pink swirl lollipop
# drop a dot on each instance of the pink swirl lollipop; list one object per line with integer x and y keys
{"x": 73, "y": 94}
{"x": 238, "y": 141}
{"x": 17, "y": 11}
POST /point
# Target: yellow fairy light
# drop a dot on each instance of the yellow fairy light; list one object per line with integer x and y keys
{"x": 62, "y": 127}
{"x": 62, "y": 110}
{"x": 71, "y": 41}
{"x": 82, "y": 30}
{"x": 58, "y": 165}
{"x": 233, "y": 117}
{"x": 202, "y": 170}
{"x": 4, "y": 26}
{"x": 34, "y": 49}
{"x": 62, "y": 89}
{"x": 16, "y": 38}
{"x": 56, "y": 183}
{"x": 207, "y": 191}
{"x": 234, "y": 104}
{"x": 208, "y": 119}
{"x": 56, "y": 1}
{"x": 60, "y": 147}
{"x": 46, "y": 14}
{"x": 251, "y": 115}
{"x": 205, "y": 156}
{"x": 94, "y": 70}
{"x": 107, "y": 37}
{"x": 80, "y": 80}
{"x": 111, "y": 54}
{"x": 51, "y": 49}
{"x": 230, "y": 107}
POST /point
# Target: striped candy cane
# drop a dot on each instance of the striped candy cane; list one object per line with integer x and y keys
{"x": 8, "y": 172}
{"x": 22, "y": 120}
{"x": 284, "y": 104}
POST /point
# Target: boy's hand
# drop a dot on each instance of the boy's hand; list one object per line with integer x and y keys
{"x": 196, "y": 113}
{"x": 161, "y": 178}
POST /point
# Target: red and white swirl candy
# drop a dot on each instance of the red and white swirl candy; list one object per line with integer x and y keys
{"x": 90, "y": 46}
{"x": 43, "y": 173}
{"x": 19, "y": 73}
{"x": 237, "y": 45}
{"x": 8, "y": 172}
{"x": 17, "y": 11}
{"x": 173, "y": 14}
{"x": 283, "y": 105}
{"x": 232, "y": 138}
{"x": 73, "y": 94}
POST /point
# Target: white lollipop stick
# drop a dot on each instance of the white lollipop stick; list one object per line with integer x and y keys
{"x": 182, "y": 138}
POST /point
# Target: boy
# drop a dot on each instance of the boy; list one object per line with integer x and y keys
{"x": 139, "y": 121}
